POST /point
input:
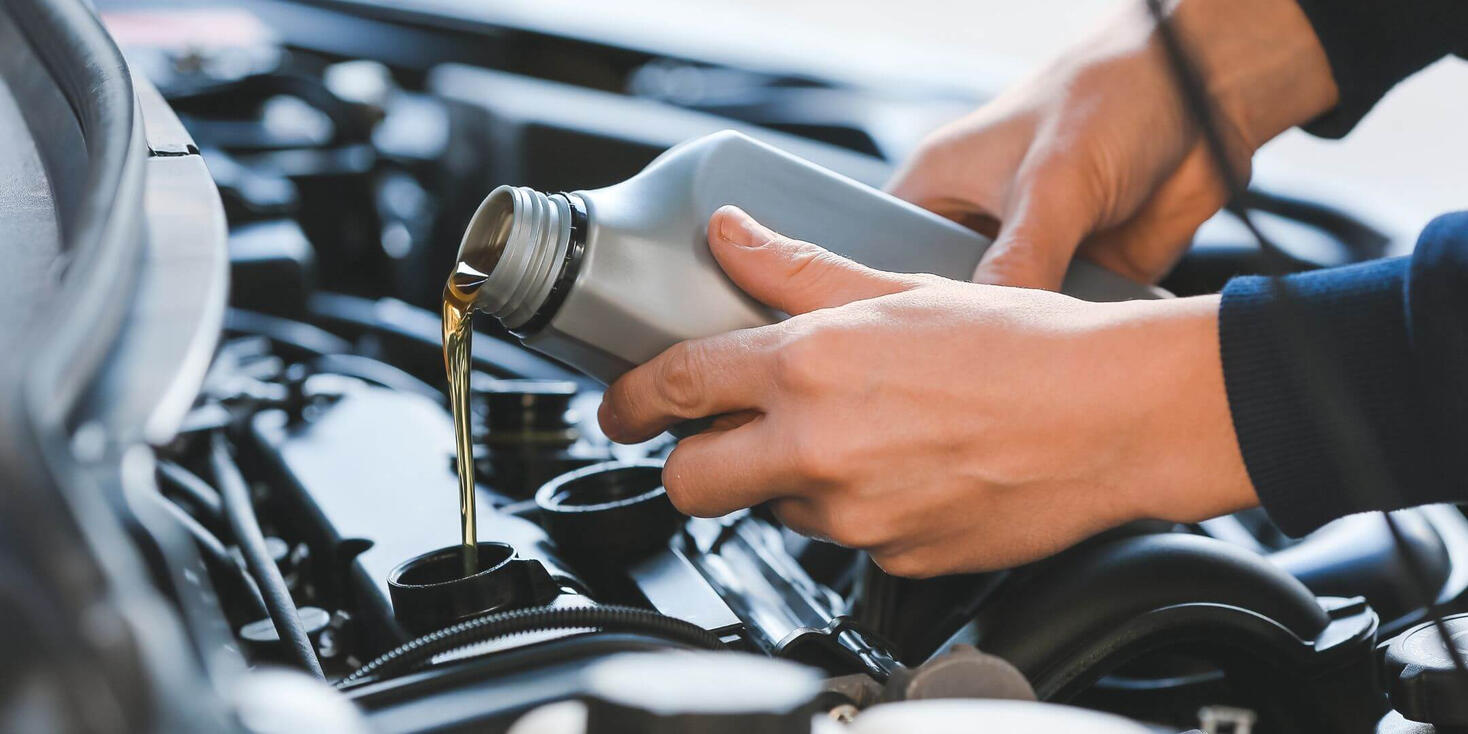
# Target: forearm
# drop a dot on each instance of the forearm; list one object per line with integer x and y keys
{"x": 1159, "y": 364}
{"x": 1273, "y": 64}
{"x": 1261, "y": 61}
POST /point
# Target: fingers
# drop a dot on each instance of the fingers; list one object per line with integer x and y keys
{"x": 1146, "y": 246}
{"x": 791, "y": 275}
{"x": 717, "y": 472}
{"x": 1049, "y": 212}
{"x": 962, "y": 170}
{"x": 732, "y": 372}
{"x": 799, "y": 515}
{"x": 693, "y": 379}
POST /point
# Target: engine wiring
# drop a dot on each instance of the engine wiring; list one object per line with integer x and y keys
{"x": 243, "y": 523}
{"x": 421, "y": 650}
{"x": 210, "y": 514}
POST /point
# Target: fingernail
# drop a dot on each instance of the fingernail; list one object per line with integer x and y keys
{"x": 738, "y": 228}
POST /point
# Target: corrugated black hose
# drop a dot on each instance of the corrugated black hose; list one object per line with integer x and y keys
{"x": 415, "y": 653}
{"x": 240, "y": 513}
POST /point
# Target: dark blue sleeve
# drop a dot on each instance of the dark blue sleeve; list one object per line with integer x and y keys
{"x": 1397, "y": 330}
{"x": 1373, "y": 44}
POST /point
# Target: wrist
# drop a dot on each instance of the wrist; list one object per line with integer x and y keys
{"x": 1183, "y": 459}
{"x": 1261, "y": 60}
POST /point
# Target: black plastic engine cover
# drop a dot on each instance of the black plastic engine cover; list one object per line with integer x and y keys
{"x": 371, "y": 483}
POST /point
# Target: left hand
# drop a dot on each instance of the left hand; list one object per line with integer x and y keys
{"x": 1095, "y": 152}
{"x": 941, "y": 426}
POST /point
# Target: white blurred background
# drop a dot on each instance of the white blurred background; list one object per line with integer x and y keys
{"x": 1410, "y": 154}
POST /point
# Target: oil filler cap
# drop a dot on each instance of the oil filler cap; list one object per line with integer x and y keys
{"x": 1424, "y": 685}
{"x": 702, "y": 692}
{"x": 430, "y": 591}
{"x": 610, "y": 512}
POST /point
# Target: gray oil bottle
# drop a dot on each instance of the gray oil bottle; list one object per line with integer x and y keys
{"x": 606, "y": 279}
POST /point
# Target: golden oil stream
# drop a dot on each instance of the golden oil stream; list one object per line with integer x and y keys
{"x": 458, "y": 338}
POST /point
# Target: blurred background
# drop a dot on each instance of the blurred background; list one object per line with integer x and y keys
{"x": 1397, "y": 152}
{"x": 351, "y": 139}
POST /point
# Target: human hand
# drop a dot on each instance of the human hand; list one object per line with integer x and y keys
{"x": 941, "y": 426}
{"x": 1097, "y": 155}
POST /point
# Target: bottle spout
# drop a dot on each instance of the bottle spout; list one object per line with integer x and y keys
{"x": 464, "y": 283}
{"x": 521, "y": 242}
{"x": 487, "y": 234}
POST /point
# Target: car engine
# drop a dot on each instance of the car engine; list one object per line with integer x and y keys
{"x": 346, "y": 145}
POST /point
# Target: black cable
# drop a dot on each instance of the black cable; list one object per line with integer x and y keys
{"x": 416, "y": 652}
{"x": 1338, "y": 416}
{"x": 377, "y": 372}
{"x": 195, "y": 492}
{"x": 291, "y": 339}
{"x": 240, "y": 513}
{"x": 219, "y": 556}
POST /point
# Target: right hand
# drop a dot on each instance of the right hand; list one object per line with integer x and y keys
{"x": 940, "y": 426}
{"x": 1096, "y": 154}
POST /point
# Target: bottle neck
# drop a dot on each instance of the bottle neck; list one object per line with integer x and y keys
{"x": 529, "y": 245}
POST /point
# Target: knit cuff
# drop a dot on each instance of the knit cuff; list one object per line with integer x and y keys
{"x": 1351, "y": 321}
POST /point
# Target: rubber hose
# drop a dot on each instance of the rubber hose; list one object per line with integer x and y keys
{"x": 214, "y": 550}
{"x": 413, "y": 653}
{"x": 240, "y": 514}
{"x": 195, "y": 491}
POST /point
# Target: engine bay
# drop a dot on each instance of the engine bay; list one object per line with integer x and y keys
{"x": 349, "y": 145}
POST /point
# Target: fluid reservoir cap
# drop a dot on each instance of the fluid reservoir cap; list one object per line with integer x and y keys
{"x": 704, "y": 692}
{"x": 609, "y": 512}
{"x": 1424, "y": 686}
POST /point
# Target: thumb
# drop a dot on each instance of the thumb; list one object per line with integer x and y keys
{"x": 791, "y": 275}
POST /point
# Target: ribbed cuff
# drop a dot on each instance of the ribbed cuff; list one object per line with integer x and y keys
{"x": 1357, "y": 316}
{"x": 1437, "y": 324}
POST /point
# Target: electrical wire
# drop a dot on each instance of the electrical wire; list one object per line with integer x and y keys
{"x": 1350, "y": 442}
{"x": 416, "y": 652}
{"x": 240, "y": 513}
